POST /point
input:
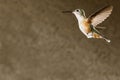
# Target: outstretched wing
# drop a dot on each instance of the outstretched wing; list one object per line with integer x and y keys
{"x": 100, "y": 15}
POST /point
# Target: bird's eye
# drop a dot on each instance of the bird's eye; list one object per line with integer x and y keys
{"x": 77, "y": 10}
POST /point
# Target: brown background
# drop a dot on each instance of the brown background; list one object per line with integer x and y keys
{"x": 38, "y": 42}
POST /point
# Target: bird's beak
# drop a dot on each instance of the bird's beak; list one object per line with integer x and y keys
{"x": 66, "y": 11}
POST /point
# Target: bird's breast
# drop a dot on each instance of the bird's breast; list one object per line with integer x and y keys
{"x": 85, "y": 26}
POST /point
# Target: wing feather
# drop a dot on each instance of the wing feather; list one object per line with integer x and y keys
{"x": 99, "y": 16}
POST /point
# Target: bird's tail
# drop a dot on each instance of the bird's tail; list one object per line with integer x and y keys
{"x": 106, "y": 39}
{"x": 102, "y": 36}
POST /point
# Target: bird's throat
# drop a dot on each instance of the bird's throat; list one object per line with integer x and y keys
{"x": 79, "y": 17}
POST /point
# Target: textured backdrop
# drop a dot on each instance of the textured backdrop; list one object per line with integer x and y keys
{"x": 38, "y": 42}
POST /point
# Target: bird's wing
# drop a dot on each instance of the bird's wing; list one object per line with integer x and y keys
{"x": 100, "y": 15}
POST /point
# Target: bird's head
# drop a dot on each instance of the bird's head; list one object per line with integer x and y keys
{"x": 77, "y": 12}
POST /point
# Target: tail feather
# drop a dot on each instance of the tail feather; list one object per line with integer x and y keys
{"x": 107, "y": 40}
{"x": 95, "y": 30}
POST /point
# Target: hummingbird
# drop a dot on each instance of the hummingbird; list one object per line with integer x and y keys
{"x": 89, "y": 25}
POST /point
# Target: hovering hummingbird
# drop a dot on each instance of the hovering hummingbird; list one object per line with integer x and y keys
{"x": 88, "y": 26}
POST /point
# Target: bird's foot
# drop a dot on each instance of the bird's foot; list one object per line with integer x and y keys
{"x": 89, "y": 35}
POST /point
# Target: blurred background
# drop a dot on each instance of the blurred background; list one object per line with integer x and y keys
{"x": 38, "y": 42}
